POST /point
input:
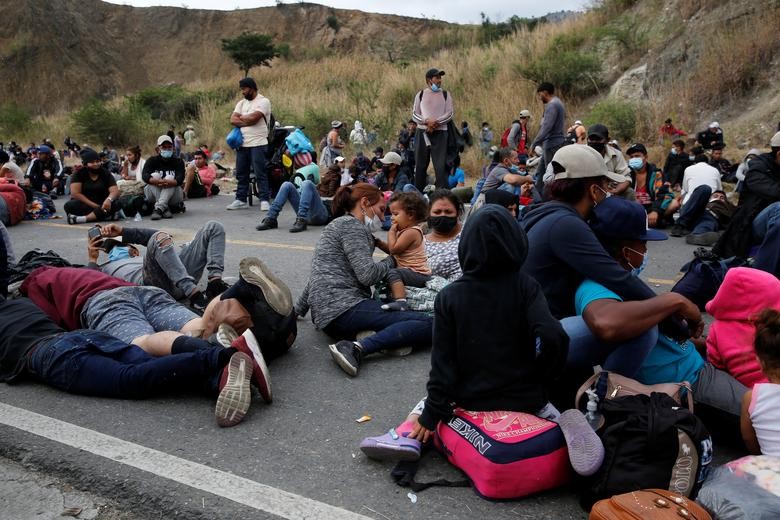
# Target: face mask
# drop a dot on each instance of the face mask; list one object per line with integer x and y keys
{"x": 599, "y": 147}
{"x": 443, "y": 224}
{"x": 636, "y": 163}
{"x": 166, "y": 154}
{"x": 692, "y": 157}
{"x": 673, "y": 151}
{"x": 514, "y": 168}
{"x": 636, "y": 271}
{"x": 435, "y": 87}
{"x": 607, "y": 195}
{"x": 372, "y": 223}
{"x": 119, "y": 253}
{"x": 485, "y": 128}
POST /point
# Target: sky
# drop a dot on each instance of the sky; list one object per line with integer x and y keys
{"x": 458, "y": 11}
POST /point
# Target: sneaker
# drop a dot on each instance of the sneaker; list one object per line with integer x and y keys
{"x": 72, "y": 219}
{"x": 237, "y": 204}
{"x": 703, "y": 239}
{"x": 247, "y": 343}
{"x": 253, "y": 272}
{"x": 347, "y": 356}
{"x": 167, "y": 213}
{"x": 157, "y": 214}
{"x": 298, "y": 226}
{"x": 198, "y": 302}
{"x": 235, "y": 394}
{"x": 586, "y": 451}
{"x": 396, "y": 305}
{"x": 225, "y": 335}
{"x": 264, "y": 205}
{"x": 215, "y": 287}
{"x": 391, "y": 446}
{"x": 679, "y": 231}
{"x": 267, "y": 223}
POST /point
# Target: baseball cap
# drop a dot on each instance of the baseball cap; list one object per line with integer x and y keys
{"x": 339, "y": 159}
{"x": 775, "y": 142}
{"x": 580, "y": 161}
{"x": 714, "y": 124}
{"x": 336, "y": 123}
{"x": 44, "y": 149}
{"x": 433, "y": 72}
{"x": 391, "y": 158}
{"x": 636, "y": 147}
{"x": 163, "y": 139}
{"x": 525, "y": 113}
{"x": 623, "y": 219}
{"x": 599, "y": 131}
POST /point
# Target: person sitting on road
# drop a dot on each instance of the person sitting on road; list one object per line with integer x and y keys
{"x": 199, "y": 177}
{"x": 649, "y": 187}
{"x": 699, "y": 181}
{"x": 676, "y": 163}
{"x": 441, "y": 243}
{"x": 504, "y": 199}
{"x": 711, "y": 136}
{"x": 744, "y": 166}
{"x": 621, "y": 226}
{"x": 720, "y": 163}
{"x": 393, "y": 176}
{"x": 45, "y": 173}
{"x": 305, "y": 194}
{"x": 164, "y": 176}
{"x": 598, "y": 139}
{"x": 506, "y": 174}
{"x": 343, "y": 270}
{"x": 487, "y": 357}
{"x": 176, "y": 272}
{"x": 708, "y": 226}
{"x": 577, "y": 133}
{"x": 10, "y": 171}
{"x": 94, "y": 195}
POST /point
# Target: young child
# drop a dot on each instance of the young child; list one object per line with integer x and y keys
{"x": 405, "y": 242}
{"x": 761, "y": 405}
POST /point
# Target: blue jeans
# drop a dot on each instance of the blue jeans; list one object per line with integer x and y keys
{"x": 254, "y": 156}
{"x": 586, "y": 351}
{"x": 94, "y": 363}
{"x": 707, "y": 223}
{"x": 694, "y": 207}
{"x": 766, "y": 231}
{"x": 307, "y": 204}
{"x": 393, "y": 329}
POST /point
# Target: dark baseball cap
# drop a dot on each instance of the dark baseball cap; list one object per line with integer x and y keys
{"x": 433, "y": 72}
{"x": 599, "y": 131}
{"x": 636, "y": 147}
{"x": 623, "y": 219}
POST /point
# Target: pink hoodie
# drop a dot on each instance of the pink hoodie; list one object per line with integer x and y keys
{"x": 744, "y": 293}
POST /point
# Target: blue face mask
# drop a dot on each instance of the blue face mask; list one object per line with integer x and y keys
{"x": 119, "y": 253}
{"x": 636, "y": 271}
{"x": 636, "y": 163}
{"x": 514, "y": 168}
{"x": 166, "y": 154}
{"x": 435, "y": 87}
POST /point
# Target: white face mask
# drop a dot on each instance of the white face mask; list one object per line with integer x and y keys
{"x": 372, "y": 223}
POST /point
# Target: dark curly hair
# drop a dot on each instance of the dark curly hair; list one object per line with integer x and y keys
{"x": 413, "y": 205}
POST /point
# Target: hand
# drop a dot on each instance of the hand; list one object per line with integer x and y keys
{"x": 696, "y": 328}
{"x": 106, "y": 205}
{"x": 111, "y": 230}
{"x": 652, "y": 219}
{"x": 421, "y": 433}
{"x": 525, "y": 190}
{"x": 93, "y": 249}
{"x": 689, "y": 311}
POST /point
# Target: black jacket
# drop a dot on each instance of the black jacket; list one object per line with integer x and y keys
{"x": 564, "y": 251}
{"x": 707, "y": 138}
{"x": 484, "y": 355}
{"x": 674, "y": 167}
{"x": 163, "y": 166}
{"x": 760, "y": 189}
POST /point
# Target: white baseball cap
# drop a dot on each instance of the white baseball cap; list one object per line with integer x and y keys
{"x": 775, "y": 142}
{"x": 580, "y": 161}
{"x": 714, "y": 124}
{"x": 163, "y": 139}
{"x": 391, "y": 158}
{"x": 339, "y": 159}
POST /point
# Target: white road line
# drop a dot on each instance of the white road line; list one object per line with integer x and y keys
{"x": 238, "y": 489}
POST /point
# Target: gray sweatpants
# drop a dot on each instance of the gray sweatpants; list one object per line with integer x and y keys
{"x": 162, "y": 198}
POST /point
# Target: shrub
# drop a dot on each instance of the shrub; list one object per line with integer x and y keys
{"x": 333, "y": 23}
{"x": 119, "y": 125}
{"x": 619, "y": 116}
{"x": 169, "y": 103}
{"x": 574, "y": 73}
{"x": 317, "y": 123}
{"x": 14, "y": 119}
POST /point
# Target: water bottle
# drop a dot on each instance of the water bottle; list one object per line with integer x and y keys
{"x": 592, "y": 415}
{"x": 138, "y": 217}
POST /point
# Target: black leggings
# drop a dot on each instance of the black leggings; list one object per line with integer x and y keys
{"x": 408, "y": 277}
{"x": 78, "y": 208}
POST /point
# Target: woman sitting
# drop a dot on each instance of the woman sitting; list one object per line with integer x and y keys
{"x": 93, "y": 191}
{"x": 339, "y": 287}
{"x": 441, "y": 244}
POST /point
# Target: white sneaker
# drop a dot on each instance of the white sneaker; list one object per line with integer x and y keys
{"x": 238, "y": 204}
{"x": 264, "y": 205}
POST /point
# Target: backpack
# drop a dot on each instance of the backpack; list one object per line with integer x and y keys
{"x": 571, "y": 137}
{"x": 505, "y": 135}
{"x": 649, "y": 442}
{"x": 703, "y": 278}
{"x": 33, "y": 260}
{"x": 15, "y": 201}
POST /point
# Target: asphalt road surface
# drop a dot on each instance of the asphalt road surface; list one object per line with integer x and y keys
{"x": 296, "y": 458}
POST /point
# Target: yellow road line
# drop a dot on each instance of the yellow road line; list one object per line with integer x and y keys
{"x": 661, "y": 281}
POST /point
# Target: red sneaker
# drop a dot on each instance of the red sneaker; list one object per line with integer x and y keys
{"x": 247, "y": 343}
{"x": 235, "y": 393}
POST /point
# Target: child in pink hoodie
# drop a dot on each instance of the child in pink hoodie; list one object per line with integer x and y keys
{"x": 744, "y": 293}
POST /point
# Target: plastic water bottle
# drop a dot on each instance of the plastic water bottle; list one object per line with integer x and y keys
{"x": 138, "y": 217}
{"x": 592, "y": 414}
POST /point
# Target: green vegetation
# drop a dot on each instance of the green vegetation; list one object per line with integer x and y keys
{"x": 120, "y": 125}
{"x": 619, "y": 116}
{"x": 490, "y": 31}
{"x": 250, "y": 49}
{"x": 333, "y": 23}
{"x": 176, "y": 104}
{"x": 14, "y": 119}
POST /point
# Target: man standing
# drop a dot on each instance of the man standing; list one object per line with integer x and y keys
{"x": 518, "y": 134}
{"x": 251, "y": 115}
{"x": 550, "y": 136}
{"x": 164, "y": 175}
{"x": 432, "y": 112}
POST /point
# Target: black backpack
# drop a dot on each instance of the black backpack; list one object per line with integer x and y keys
{"x": 649, "y": 442}
{"x": 34, "y": 259}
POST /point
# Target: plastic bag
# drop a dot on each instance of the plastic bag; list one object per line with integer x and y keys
{"x": 747, "y": 488}
{"x": 235, "y": 138}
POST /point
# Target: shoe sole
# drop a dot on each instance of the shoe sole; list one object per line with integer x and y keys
{"x": 276, "y": 293}
{"x": 705, "y": 239}
{"x": 226, "y": 334}
{"x": 236, "y": 396}
{"x": 341, "y": 361}
{"x": 385, "y": 452}
{"x": 586, "y": 451}
{"x": 234, "y": 209}
{"x": 254, "y": 346}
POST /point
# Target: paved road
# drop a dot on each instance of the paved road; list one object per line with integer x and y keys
{"x": 167, "y": 458}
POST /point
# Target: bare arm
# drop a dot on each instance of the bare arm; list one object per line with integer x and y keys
{"x": 746, "y": 426}
{"x": 518, "y": 180}
{"x": 399, "y": 241}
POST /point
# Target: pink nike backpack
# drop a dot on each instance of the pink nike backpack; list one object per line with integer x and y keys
{"x": 506, "y": 455}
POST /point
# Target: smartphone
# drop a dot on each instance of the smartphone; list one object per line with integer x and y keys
{"x": 93, "y": 232}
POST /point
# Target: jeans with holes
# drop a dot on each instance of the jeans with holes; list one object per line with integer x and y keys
{"x": 253, "y": 156}
{"x": 94, "y": 363}
{"x": 393, "y": 329}
{"x": 766, "y": 232}
{"x": 306, "y": 203}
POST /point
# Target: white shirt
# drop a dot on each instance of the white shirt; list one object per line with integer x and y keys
{"x": 257, "y": 134}
{"x": 136, "y": 172}
{"x": 700, "y": 174}
{"x": 764, "y": 412}
{"x": 14, "y": 168}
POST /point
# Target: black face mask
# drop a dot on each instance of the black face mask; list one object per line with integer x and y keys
{"x": 599, "y": 147}
{"x": 443, "y": 224}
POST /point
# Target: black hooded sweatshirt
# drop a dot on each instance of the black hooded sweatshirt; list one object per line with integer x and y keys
{"x": 564, "y": 251}
{"x": 484, "y": 353}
